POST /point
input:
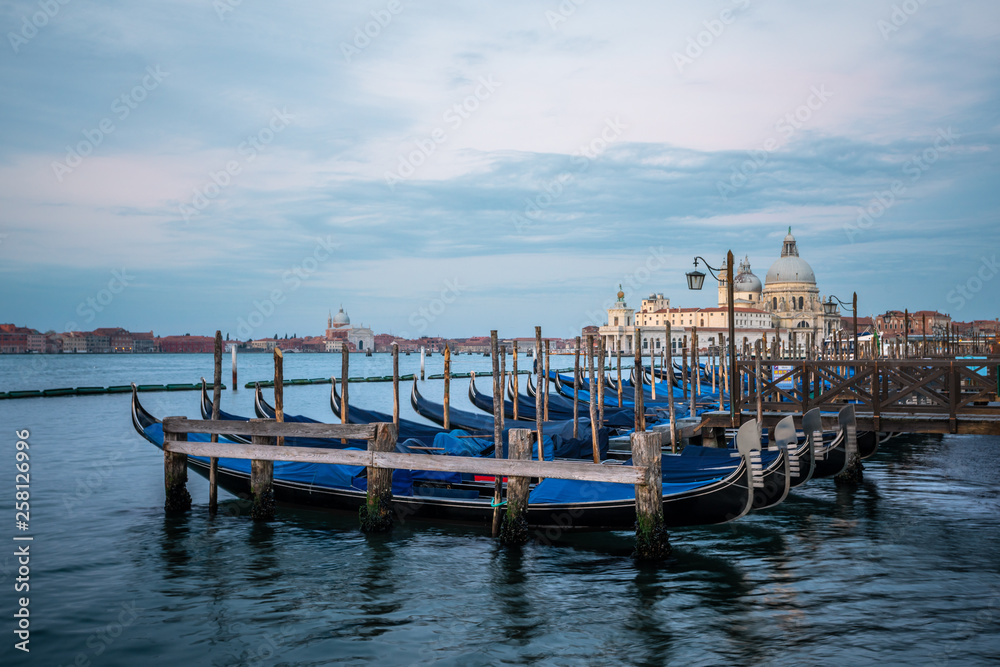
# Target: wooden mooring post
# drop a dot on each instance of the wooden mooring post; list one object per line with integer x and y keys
{"x": 593, "y": 393}
{"x": 651, "y": 540}
{"x": 376, "y": 514}
{"x": 538, "y": 397}
{"x": 497, "y": 427}
{"x": 423, "y": 355}
{"x": 344, "y": 369}
{"x": 576, "y": 390}
{"x": 618, "y": 356}
{"x": 175, "y": 477}
{"x": 545, "y": 381}
{"x": 395, "y": 383}
{"x": 213, "y": 463}
{"x": 640, "y": 409}
{"x": 600, "y": 365}
{"x": 233, "y": 348}
{"x": 514, "y": 530}
{"x": 279, "y": 391}
{"x": 447, "y": 387}
{"x": 261, "y": 480}
{"x": 669, "y": 364}
{"x": 517, "y": 383}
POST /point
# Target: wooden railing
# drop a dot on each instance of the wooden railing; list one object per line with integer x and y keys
{"x": 928, "y": 387}
{"x": 380, "y": 459}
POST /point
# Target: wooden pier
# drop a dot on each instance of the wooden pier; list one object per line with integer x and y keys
{"x": 380, "y": 459}
{"x": 930, "y": 395}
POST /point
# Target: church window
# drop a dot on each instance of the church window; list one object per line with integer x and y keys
{"x": 800, "y": 303}
{"x": 774, "y": 303}
{"x": 616, "y": 321}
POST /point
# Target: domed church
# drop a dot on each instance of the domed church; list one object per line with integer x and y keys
{"x": 340, "y": 331}
{"x": 791, "y": 296}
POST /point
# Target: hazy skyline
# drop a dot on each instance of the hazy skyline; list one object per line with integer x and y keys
{"x": 446, "y": 169}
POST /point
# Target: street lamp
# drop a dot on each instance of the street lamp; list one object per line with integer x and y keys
{"x": 695, "y": 280}
{"x": 831, "y": 309}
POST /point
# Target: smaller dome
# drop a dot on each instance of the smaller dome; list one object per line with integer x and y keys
{"x": 747, "y": 282}
{"x": 341, "y": 317}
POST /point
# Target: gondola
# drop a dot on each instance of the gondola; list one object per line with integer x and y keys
{"x": 559, "y": 410}
{"x": 558, "y": 434}
{"x": 832, "y": 456}
{"x": 555, "y": 504}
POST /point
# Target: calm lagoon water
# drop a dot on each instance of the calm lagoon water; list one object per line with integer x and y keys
{"x": 902, "y": 571}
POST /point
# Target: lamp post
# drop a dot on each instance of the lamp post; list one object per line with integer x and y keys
{"x": 695, "y": 280}
{"x": 831, "y": 309}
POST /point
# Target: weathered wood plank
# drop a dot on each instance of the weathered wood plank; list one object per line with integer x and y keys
{"x": 287, "y": 429}
{"x": 618, "y": 474}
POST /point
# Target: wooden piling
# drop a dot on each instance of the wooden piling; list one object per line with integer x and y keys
{"x": 344, "y": 370}
{"x": 618, "y": 356}
{"x": 758, "y": 379}
{"x": 261, "y": 481}
{"x": 576, "y": 390}
{"x": 497, "y": 428}
{"x": 669, "y": 364}
{"x": 235, "y": 345}
{"x": 514, "y": 530}
{"x": 545, "y": 381}
{"x": 651, "y": 540}
{"x": 513, "y": 361}
{"x": 684, "y": 370}
{"x": 279, "y": 391}
{"x": 538, "y": 396}
{"x": 376, "y": 514}
{"x": 593, "y": 399}
{"x": 600, "y": 365}
{"x": 423, "y": 355}
{"x": 178, "y": 499}
{"x": 395, "y": 384}
{"x": 213, "y": 462}
{"x": 695, "y": 375}
{"x": 640, "y": 409}
{"x": 447, "y": 387}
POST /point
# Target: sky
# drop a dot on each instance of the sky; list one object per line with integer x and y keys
{"x": 447, "y": 168}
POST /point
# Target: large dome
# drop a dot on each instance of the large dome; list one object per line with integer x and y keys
{"x": 341, "y": 318}
{"x": 790, "y": 268}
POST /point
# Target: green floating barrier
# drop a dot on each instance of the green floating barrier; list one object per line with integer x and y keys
{"x": 81, "y": 391}
{"x": 62, "y": 391}
{"x": 356, "y": 379}
{"x": 180, "y": 386}
{"x": 119, "y": 389}
{"x": 438, "y": 376}
{"x": 24, "y": 393}
{"x": 298, "y": 381}
{"x": 151, "y": 387}
{"x": 3, "y": 395}
{"x": 319, "y": 381}
{"x": 406, "y": 377}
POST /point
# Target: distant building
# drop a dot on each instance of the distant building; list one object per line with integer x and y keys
{"x": 187, "y": 344}
{"x": 340, "y": 331}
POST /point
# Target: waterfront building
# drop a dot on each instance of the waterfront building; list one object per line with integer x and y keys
{"x": 792, "y": 298}
{"x": 339, "y": 331}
